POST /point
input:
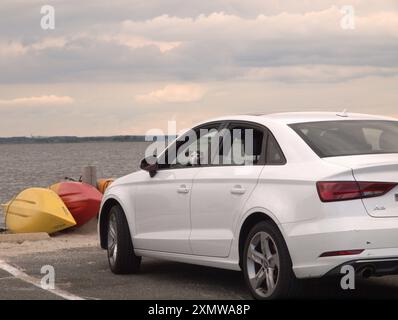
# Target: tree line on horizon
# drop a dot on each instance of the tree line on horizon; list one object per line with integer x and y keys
{"x": 75, "y": 139}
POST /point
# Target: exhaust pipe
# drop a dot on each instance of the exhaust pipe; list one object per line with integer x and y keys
{"x": 366, "y": 271}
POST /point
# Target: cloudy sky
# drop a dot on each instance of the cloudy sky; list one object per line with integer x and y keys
{"x": 124, "y": 67}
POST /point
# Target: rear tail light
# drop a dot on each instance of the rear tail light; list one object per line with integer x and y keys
{"x": 350, "y": 190}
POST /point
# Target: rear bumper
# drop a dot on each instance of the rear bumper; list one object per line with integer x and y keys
{"x": 378, "y": 237}
{"x": 369, "y": 267}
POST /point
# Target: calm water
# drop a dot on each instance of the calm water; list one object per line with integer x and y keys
{"x": 40, "y": 165}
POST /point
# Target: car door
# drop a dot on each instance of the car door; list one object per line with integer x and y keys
{"x": 162, "y": 203}
{"x": 221, "y": 189}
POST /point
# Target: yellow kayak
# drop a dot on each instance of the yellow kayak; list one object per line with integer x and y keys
{"x": 37, "y": 210}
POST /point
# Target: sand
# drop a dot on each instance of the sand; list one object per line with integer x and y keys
{"x": 84, "y": 237}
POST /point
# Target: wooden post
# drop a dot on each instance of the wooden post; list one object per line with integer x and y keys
{"x": 89, "y": 175}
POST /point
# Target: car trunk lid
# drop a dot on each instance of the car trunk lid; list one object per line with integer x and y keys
{"x": 375, "y": 168}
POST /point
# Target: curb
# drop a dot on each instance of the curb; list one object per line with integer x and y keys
{"x": 21, "y": 237}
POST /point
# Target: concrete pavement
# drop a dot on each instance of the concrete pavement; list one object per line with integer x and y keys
{"x": 12, "y": 288}
{"x": 84, "y": 272}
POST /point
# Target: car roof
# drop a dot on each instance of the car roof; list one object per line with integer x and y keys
{"x": 302, "y": 117}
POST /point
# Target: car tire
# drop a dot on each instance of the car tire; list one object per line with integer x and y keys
{"x": 267, "y": 265}
{"x": 121, "y": 256}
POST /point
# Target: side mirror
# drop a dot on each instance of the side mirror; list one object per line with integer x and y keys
{"x": 150, "y": 164}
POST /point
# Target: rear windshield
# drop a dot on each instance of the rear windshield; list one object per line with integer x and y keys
{"x": 349, "y": 137}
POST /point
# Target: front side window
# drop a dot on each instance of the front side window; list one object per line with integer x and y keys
{"x": 349, "y": 137}
{"x": 196, "y": 147}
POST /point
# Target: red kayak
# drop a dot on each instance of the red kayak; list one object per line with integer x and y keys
{"x": 82, "y": 200}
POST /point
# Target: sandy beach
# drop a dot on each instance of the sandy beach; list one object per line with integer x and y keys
{"x": 69, "y": 239}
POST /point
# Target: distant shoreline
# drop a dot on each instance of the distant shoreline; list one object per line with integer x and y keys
{"x": 73, "y": 139}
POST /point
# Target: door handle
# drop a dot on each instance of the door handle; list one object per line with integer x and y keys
{"x": 238, "y": 190}
{"x": 183, "y": 189}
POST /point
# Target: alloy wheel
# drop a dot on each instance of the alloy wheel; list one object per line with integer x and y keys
{"x": 263, "y": 264}
{"x": 112, "y": 239}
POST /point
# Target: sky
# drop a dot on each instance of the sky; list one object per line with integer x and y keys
{"x": 126, "y": 67}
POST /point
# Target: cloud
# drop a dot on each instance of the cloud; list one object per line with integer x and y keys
{"x": 134, "y": 42}
{"x": 11, "y": 49}
{"x": 173, "y": 93}
{"x": 284, "y": 25}
{"x": 222, "y": 45}
{"x": 317, "y": 73}
{"x": 48, "y": 43}
{"x": 48, "y": 100}
{"x": 217, "y": 57}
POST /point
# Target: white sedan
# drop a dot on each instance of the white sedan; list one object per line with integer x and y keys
{"x": 281, "y": 197}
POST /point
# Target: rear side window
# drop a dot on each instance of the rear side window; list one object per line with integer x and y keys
{"x": 250, "y": 145}
{"x": 349, "y": 137}
{"x": 242, "y": 145}
{"x": 274, "y": 152}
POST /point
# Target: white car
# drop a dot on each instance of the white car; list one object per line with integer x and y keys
{"x": 319, "y": 191}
